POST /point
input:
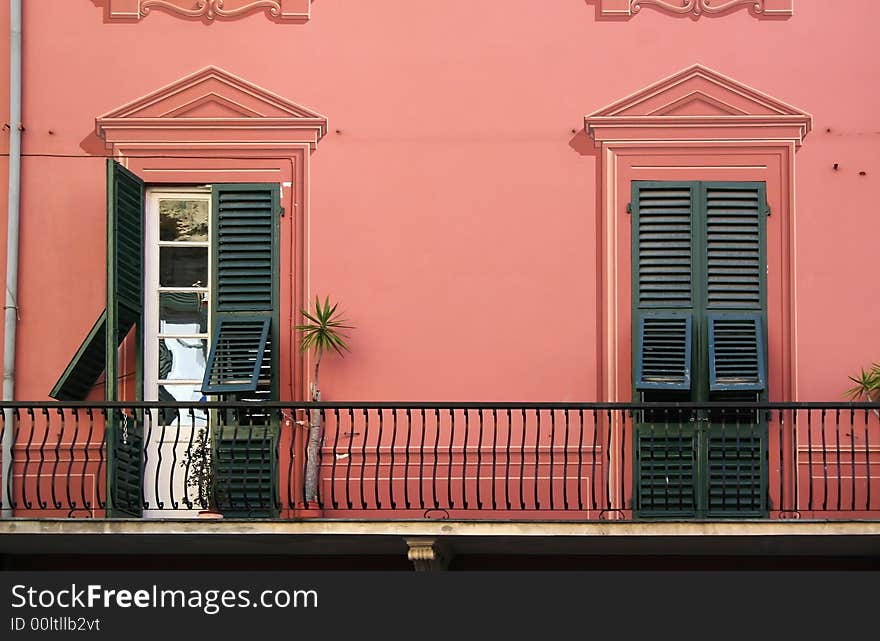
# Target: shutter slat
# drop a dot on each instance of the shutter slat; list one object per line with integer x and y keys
{"x": 666, "y": 470}
{"x": 735, "y": 470}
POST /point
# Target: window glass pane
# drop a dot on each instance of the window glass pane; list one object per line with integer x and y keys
{"x": 183, "y": 266}
{"x": 183, "y": 219}
{"x": 183, "y": 313}
{"x": 184, "y": 393}
{"x": 182, "y": 358}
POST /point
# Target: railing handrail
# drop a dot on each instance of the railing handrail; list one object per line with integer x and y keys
{"x": 441, "y": 405}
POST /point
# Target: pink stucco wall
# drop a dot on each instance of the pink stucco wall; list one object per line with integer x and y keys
{"x": 453, "y": 203}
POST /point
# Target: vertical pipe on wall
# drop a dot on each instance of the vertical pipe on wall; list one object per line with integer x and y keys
{"x": 12, "y": 226}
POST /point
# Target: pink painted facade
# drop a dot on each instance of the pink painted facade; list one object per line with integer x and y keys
{"x": 457, "y": 174}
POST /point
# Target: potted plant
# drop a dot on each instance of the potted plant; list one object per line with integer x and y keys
{"x": 201, "y": 479}
{"x": 321, "y": 333}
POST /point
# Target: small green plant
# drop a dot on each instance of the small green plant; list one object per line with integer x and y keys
{"x": 198, "y": 463}
{"x": 867, "y": 384}
{"x": 321, "y": 333}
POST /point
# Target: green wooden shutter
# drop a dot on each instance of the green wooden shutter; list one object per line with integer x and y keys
{"x": 736, "y": 469}
{"x": 666, "y": 470}
{"x": 734, "y": 223}
{"x": 663, "y": 351}
{"x": 663, "y": 248}
{"x": 237, "y": 353}
{"x": 244, "y": 355}
{"x": 125, "y": 310}
{"x": 736, "y": 352}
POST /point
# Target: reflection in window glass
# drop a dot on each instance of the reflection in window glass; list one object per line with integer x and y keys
{"x": 183, "y": 220}
{"x": 183, "y": 313}
{"x": 182, "y": 358}
{"x": 183, "y": 266}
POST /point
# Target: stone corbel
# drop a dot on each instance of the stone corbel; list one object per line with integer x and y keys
{"x": 427, "y": 554}
{"x": 210, "y": 10}
{"x": 629, "y": 8}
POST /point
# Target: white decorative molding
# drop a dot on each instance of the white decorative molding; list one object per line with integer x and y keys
{"x": 697, "y": 7}
{"x": 210, "y": 10}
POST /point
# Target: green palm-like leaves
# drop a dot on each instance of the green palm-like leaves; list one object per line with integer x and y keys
{"x": 867, "y": 384}
{"x": 322, "y": 331}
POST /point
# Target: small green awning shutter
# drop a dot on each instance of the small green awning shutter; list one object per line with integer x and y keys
{"x": 663, "y": 351}
{"x": 237, "y": 352}
{"x": 736, "y": 352}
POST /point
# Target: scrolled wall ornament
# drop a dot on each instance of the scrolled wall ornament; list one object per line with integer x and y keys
{"x": 697, "y": 7}
{"x": 210, "y": 10}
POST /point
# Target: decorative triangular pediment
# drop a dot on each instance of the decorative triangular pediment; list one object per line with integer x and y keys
{"x": 210, "y": 99}
{"x": 697, "y": 97}
{"x": 733, "y": 97}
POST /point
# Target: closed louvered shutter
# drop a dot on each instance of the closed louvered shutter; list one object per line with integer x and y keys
{"x": 734, "y": 248}
{"x": 736, "y": 352}
{"x": 663, "y": 251}
{"x": 699, "y": 297}
{"x": 666, "y": 470}
{"x": 243, "y": 356}
{"x": 663, "y": 351}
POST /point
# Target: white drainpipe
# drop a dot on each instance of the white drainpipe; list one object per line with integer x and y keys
{"x": 12, "y": 225}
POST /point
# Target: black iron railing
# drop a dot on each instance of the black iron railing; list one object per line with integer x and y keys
{"x": 579, "y": 461}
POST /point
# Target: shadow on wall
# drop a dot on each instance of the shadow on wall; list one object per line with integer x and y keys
{"x": 204, "y": 11}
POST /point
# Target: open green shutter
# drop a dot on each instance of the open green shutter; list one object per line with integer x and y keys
{"x": 736, "y": 352}
{"x": 125, "y": 310}
{"x": 237, "y": 353}
{"x": 244, "y": 354}
{"x": 663, "y": 351}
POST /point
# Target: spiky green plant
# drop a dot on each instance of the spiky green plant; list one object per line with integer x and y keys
{"x": 321, "y": 333}
{"x": 867, "y": 384}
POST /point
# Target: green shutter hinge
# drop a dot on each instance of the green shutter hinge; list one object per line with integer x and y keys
{"x": 281, "y": 211}
{"x": 767, "y": 209}
{"x": 629, "y": 208}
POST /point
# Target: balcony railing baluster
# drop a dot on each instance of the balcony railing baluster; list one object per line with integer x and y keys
{"x": 452, "y": 460}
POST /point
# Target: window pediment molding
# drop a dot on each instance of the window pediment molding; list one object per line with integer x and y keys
{"x": 211, "y": 107}
{"x": 698, "y": 104}
{"x": 629, "y": 8}
{"x": 210, "y": 10}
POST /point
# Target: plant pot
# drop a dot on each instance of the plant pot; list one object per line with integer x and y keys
{"x": 210, "y": 514}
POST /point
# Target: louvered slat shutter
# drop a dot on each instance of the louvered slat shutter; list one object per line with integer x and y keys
{"x": 236, "y": 356}
{"x": 243, "y": 357}
{"x": 663, "y": 351}
{"x": 125, "y": 309}
{"x": 734, "y": 233}
{"x": 663, "y": 254}
{"x": 85, "y": 367}
{"x": 666, "y": 470}
{"x": 736, "y": 352}
{"x": 244, "y": 294}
